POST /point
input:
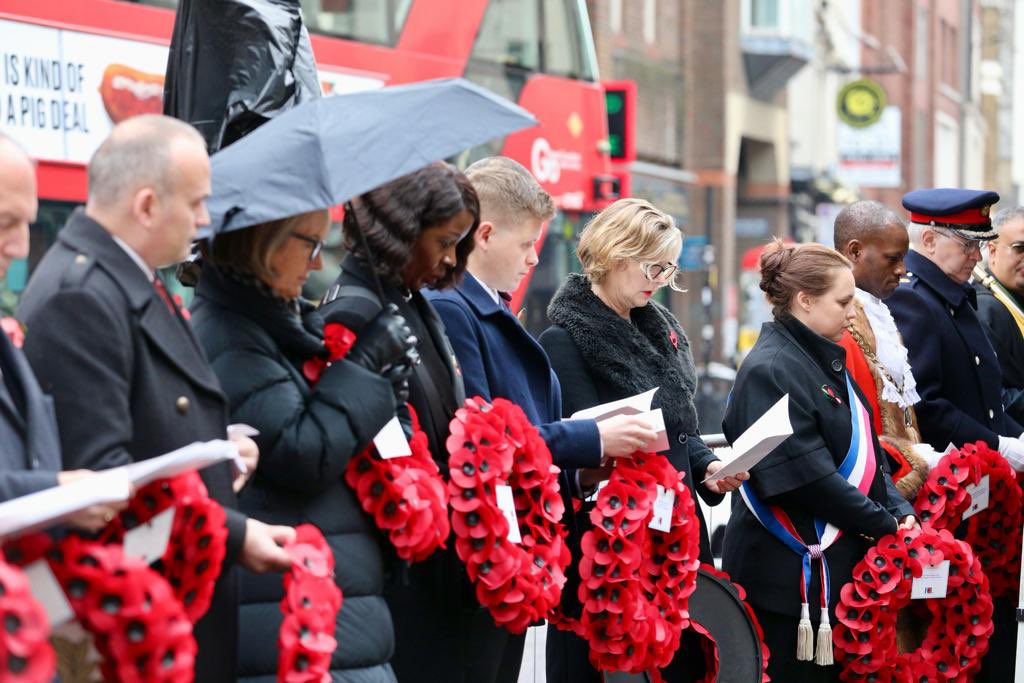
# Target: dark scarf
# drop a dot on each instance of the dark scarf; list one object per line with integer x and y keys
{"x": 635, "y": 357}
{"x": 295, "y": 326}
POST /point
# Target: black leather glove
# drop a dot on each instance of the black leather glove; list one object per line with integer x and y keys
{"x": 384, "y": 341}
{"x": 399, "y": 376}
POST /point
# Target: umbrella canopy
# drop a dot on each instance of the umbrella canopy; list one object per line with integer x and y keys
{"x": 327, "y": 151}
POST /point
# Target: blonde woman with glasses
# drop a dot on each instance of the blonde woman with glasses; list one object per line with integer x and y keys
{"x": 610, "y": 340}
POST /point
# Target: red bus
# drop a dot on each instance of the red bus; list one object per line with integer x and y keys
{"x": 70, "y": 70}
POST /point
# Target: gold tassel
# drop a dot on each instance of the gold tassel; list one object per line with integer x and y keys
{"x": 823, "y": 654}
{"x": 804, "y": 636}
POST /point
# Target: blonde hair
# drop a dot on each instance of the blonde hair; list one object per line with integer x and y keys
{"x": 629, "y": 228}
{"x": 508, "y": 193}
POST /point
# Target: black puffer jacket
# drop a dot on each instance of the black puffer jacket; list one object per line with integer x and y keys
{"x": 257, "y": 345}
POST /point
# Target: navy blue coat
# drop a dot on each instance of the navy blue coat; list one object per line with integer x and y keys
{"x": 958, "y": 375}
{"x": 500, "y": 359}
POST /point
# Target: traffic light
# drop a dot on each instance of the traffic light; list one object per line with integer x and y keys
{"x": 620, "y": 103}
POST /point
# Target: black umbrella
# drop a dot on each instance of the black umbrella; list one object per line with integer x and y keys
{"x": 326, "y": 151}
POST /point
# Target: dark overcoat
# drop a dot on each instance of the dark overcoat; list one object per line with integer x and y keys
{"x": 957, "y": 373}
{"x": 441, "y": 632}
{"x": 801, "y": 477}
{"x": 1007, "y": 341}
{"x": 499, "y": 358}
{"x": 601, "y": 357}
{"x": 29, "y": 442}
{"x": 130, "y": 382}
{"x": 257, "y": 345}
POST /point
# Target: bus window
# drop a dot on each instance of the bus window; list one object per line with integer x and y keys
{"x": 368, "y": 21}
{"x": 566, "y": 37}
{"x": 510, "y": 34}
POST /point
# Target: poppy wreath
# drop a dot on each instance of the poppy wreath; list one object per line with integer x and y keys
{"x": 993, "y": 533}
{"x": 310, "y": 606}
{"x": 636, "y": 581}
{"x": 961, "y": 623}
{"x": 25, "y": 652}
{"x": 406, "y": 496}
{"x": 138, "y": 625}
{"x": 708, "y": 644}
{"x": 493, "y": 444}
{"x": 198, "y": 541}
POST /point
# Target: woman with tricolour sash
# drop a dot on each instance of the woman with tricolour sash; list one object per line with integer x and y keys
{"x": 815, "y": 504}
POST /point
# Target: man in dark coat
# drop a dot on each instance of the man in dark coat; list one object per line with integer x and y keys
{"x": 126, "y": 373}
{"x": 958, "y": 374}
{"x": 29, "y": 443}
{"x": 498, "y": 357}
{"x": 1000, "y": 289}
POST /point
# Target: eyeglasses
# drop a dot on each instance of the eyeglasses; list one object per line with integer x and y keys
{"x": 1015, "y": 248}
{"x": 967, "y": 246}
{"x": 653, "y": 271}
{"x": 316, "y": 246}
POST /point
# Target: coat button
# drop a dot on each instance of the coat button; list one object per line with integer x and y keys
{"x": 837, "y": 365}
{"x": 81, "y": 259}
{"x": 991, "y": 414}
{"x": 682, "y": 438}
{"x": 977, "y": 361}
{"x": 182, "y": 404}
{"x": 35, "y": 463}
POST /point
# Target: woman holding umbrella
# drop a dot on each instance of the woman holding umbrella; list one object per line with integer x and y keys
{"x": 258, "y": 334}
{"x": 412, "y": 233}
{"x": 801, "y": 483}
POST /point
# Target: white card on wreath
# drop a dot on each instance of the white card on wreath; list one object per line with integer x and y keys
{"x": 932, "y": 583}
{"x": 979, "y": 498}
{"x": 47, "y": 591}
{"x": 390, "y": 441}
{"x": 507, "y": 504}
{"x": 149, "y": 541}
{"x": 760, "y": 439}
{"x": 661, "y": 519}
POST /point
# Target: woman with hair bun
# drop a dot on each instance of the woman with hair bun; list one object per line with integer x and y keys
{"x": 831, "y": 470}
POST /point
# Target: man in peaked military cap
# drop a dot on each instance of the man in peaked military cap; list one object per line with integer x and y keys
{"x": 957, "y": 372}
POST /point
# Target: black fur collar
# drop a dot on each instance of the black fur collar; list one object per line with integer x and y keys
{"x": 631, "y": 357}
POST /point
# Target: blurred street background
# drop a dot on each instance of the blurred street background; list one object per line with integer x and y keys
{"x": 743, "y": 118}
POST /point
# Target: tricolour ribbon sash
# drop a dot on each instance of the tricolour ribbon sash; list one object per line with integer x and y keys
{"x": 858, "y": 468}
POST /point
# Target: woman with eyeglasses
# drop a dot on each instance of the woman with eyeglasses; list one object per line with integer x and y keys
{"x": 258, "y": 333}
{"x": 610, "y": 340}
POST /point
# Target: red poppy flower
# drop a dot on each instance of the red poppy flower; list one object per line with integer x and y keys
{"x": 14, "y": 330}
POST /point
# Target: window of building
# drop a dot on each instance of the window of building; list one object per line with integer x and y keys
{"x": 650, "y": 21}
{"x": 615, "y": 15}
{"x": 764, "y": 13}
{"x": 921, "y": 44}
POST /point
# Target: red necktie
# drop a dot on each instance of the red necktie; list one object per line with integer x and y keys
{"x": 162, "y": 291}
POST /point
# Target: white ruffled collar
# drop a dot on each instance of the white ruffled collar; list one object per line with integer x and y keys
{"x": 898, "y": 384}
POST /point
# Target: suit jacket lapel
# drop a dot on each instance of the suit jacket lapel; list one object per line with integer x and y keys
{"x": 41, "y": 438}
{"x": 436, "y": 329}
{"x": 11, "y": 369}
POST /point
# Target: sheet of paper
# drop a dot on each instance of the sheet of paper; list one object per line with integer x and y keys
{"x": 661, "y": 520}
{"x": 47, "y": 590}
{"x": 979, "y": 498}
{"x": 760, "y": 439}
{"x": 149, "y": 541}
{"x": 390, "y": 441}
{"x": 932, "y": 583}
{"x": 241, "y": 429}
{"x": 192, "y": 457}
{"x": 657, "y": 421}
{"x": 633, "y": 405}
{"x": 52, "y": 506}
{"x": 507, "y": 505}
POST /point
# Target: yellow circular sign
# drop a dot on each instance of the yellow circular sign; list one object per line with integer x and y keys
{"x": 861, "y": 103}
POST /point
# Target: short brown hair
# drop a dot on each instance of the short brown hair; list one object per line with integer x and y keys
{"x": 788, "y": 269}
{"x": 629, "y": 228}
{"x": 249, "y": 250}
{"x": 508, "y": 193}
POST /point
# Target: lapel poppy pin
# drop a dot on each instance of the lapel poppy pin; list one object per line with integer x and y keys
{"x": 831, "y": 393}
{"x": 674, "y": 338}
